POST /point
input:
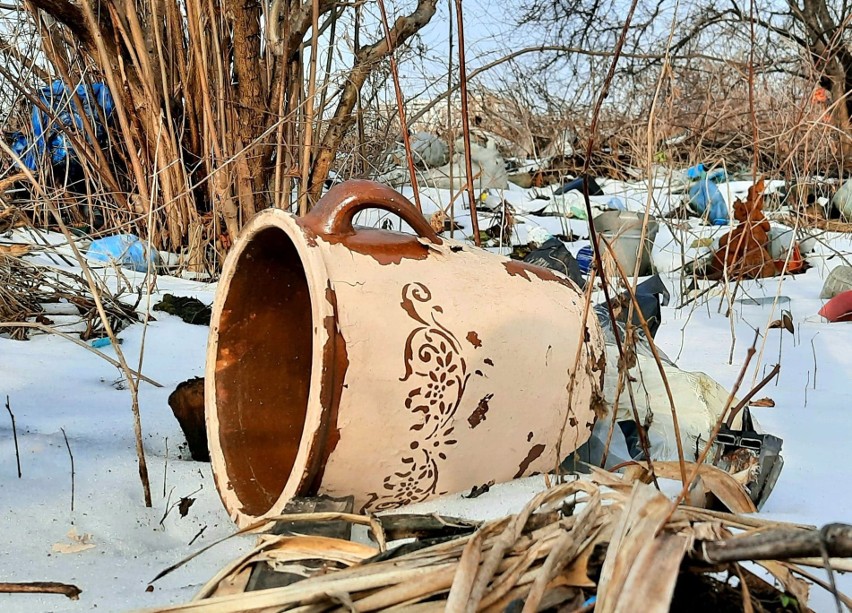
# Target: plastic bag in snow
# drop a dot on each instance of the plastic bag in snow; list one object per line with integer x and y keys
{"x": 705, "y": 195}
{"x": 124, "y": 249}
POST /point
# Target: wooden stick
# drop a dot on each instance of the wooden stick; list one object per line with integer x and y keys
{"x": 14, "y": 436}
{"x": 778, "y": 544}
{"x": 42, "y": 587}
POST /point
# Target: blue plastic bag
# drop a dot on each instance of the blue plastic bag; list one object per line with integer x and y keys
{"x": 125, "y": 249}
{"x": 705, "y": 195}
{"x": 616, "y": 203}
{"x": 48, "y": 136}
{"x": 696, "y": 172}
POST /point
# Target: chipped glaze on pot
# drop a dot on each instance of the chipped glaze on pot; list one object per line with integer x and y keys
{"x": 384, "y": 365}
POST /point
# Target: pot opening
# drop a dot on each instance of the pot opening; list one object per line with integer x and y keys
{"x": 263, "y": 369}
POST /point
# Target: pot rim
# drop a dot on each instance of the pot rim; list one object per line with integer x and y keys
{"x": 308, "y": 456}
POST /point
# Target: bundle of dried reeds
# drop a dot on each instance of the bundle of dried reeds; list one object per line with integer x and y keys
{"x": 220, "y": 109}
{"x": 623, "y": 547}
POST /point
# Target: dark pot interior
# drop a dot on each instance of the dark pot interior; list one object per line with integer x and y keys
{"x": 263, "y": 368}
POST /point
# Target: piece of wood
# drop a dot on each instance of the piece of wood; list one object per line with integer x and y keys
{"x": 42, "y": 587}
{"x": 425, "y": 526}
{"x": 778, "y": 544}
{"x": 187, "y": 404}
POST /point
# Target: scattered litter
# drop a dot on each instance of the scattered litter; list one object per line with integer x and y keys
{"x": 838, "y": 281}
{"x": 706, "y": 200}
{"x": 743, "y": 252}
{"x": 585, "y": 257}
{"x": 842, "y": 200}
{"x": 551, "y": 253}
{"x": 622, "y": 230}
{"x": 577, "y": 184}
{"x": 126, "y": 250}
{"x": 744, "y": 450}
{"x": 429, "y": 151}
{"x": 839, "y": 308}
{"x": 47, "y": 137}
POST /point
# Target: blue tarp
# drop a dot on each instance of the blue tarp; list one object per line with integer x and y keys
{"x": 48, "y": 137}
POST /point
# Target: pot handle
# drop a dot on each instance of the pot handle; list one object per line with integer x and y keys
{"x": 334, "y": 212}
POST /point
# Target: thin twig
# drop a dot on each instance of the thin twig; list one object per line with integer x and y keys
{"x": 400, "y": 101}
{"x": 699, "y": 462}
{"x": 42, "y": 587}
{"x": 96, "y": 296}
{"x": 50, "y": 330}
{"x": 73, "y": 474}
{"x": 652, "y": 345}
{"x": 197, "y": 534}
{"x": 14, "y": 435}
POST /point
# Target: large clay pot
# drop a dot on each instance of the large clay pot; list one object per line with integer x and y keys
{"x": 387, "y": 366}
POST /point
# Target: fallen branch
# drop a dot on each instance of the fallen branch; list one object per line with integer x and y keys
{"x": 42, "y": 587}
{"x": 778, "y": 544}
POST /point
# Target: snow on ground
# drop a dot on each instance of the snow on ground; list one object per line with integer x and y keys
{"x": 53, "y": 384}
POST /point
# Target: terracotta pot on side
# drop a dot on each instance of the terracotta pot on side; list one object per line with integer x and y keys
{"x": 388, "y": 366}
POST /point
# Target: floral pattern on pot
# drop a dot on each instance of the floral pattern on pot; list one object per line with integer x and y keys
{"x": 433, "y": 360}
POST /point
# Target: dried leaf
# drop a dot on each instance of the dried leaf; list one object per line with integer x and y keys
{"x": 719, "y": 483}
{"x": 184, "y": 504}
{"x": 762, "y": 402}
{"x": 635, "y": 547}
{"x": 78, "y": 543}
{"x": 14, "y": 250}
{"x": 785, "y": 322}
{"x": 781, "y": 571}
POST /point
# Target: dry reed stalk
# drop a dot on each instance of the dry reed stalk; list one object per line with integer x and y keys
{"x": 307, "y": 146}
{"x": 400, "y": 101}
{"x": 465, "y": 119}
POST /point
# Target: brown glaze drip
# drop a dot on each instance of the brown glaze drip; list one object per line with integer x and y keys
{"x": 522, "y": 269}
{"x": 481, "y": 410}
{"x": 335, "y": 361}
{"x": 332, "y": 217}
{"x": 473, "y": 339}
{"x": 535, "y": 452}
{"x": 263, "y": 369}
